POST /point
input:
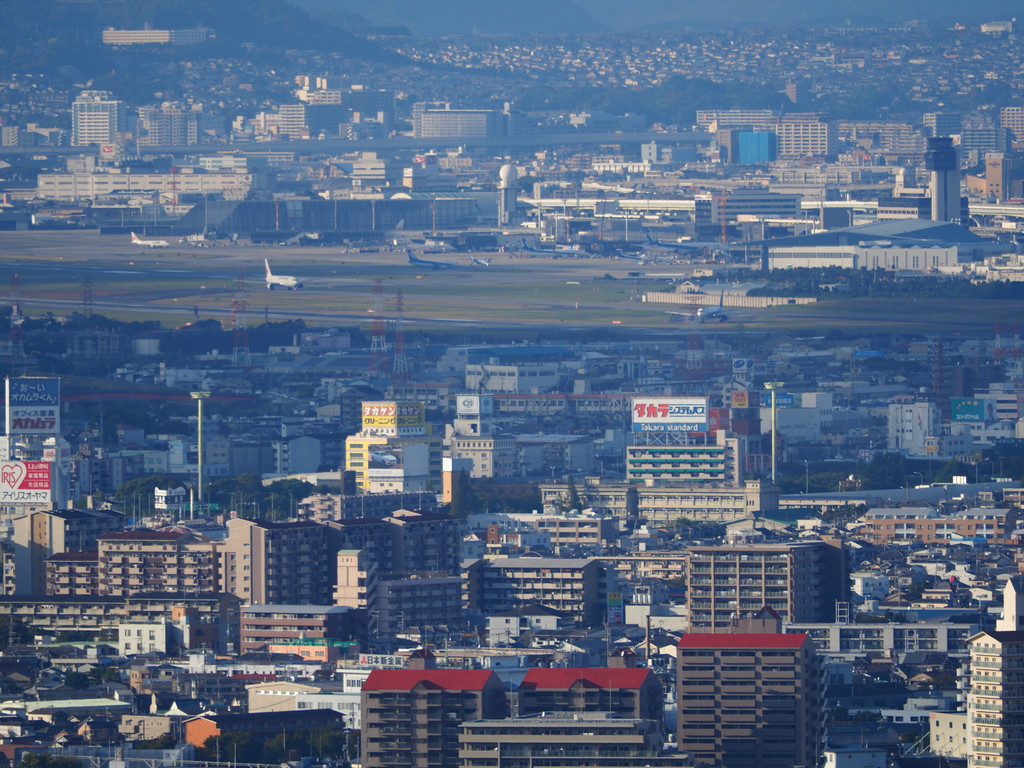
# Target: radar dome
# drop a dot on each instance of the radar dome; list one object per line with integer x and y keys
{"x": 508, "y": 174}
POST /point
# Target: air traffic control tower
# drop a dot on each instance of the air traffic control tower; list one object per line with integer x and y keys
{"x": 941, "y": 159}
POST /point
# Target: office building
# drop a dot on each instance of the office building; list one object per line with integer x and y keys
{"x": 800, "y": 581}
{"x": 719, "y": 463}
{"x": 395, "y": 451}
{"x": 911, "y": 425}
{"x": 474, "y": 436}
{"x": 666, "y": 504}
{"x": 96, "y": 118}
{"x": 412, "y": 718}
{"x": 749, "y": 700}
{"x": 120, "y": 182}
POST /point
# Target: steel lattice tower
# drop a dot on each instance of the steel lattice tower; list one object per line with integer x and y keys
{"x": 378, "y": 340}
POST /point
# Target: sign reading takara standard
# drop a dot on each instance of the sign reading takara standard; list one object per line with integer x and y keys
{"x": 670, "y": 414}
{"x": 33, "y": 406}
{"x": 25, "y": 482}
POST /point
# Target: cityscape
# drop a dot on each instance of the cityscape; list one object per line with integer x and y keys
{"x": 441, "y": 385}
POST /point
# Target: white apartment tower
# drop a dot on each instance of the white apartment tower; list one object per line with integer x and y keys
{"x": 995, "y": 701}
{"x": 96, "y": 118}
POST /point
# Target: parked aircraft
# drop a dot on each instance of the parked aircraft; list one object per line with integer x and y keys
{"x": 479, "y": 262}
{"x": 136, "y": 240}
{"x": 689, "y": 245}
{"x": 558, "y": 250}
{"x": 414, "y": 259}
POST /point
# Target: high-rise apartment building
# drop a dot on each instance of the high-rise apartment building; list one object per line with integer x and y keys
{"x": 942, "y": 123}
{"x": 994, "y": 702}
{"x": 40, "y": 535}
{"x": 629, "y": 692}
{"x": 156, "y": 561}
{"x": 411, "y": 718}
{"x": 1012, "y": 119}
{"x": 96, "y": 118}
{"x": 805, "y": 137}
{"x": 578, "y": 587}
{"x": 995, "y": 699}
{"x": 749, "y": 700}
{"x": 800, "y": 581}
{"x": 440, "y": 121}
{"x": 277, "y": 563}
{"x": 170, "y": 124}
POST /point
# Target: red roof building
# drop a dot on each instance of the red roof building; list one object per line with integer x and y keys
{"x": 411, "y": 718}
{"x": 630, "y": 692}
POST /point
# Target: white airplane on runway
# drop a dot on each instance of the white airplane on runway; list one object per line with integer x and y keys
{"x": 136, "y": 240}
{"x": 285, "y": 281}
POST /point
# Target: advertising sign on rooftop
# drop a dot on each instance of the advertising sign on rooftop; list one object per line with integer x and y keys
{"x": 390, "y": 417}
{"x": 25, "y": 482}
{"x": 33, "y": 406}
{"x": 966, "y": 409}
{"x": 670, "y": 414}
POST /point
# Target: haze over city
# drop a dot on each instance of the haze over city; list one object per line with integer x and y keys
{"x": 463, "y": 385}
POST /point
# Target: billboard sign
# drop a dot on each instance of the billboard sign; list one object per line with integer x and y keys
{"x": 25, "y": 482}
{"x": 475, "y": 405}
{"x": 783, "y": 400}
{"x": 670, "y": 414}
{"x": 380, "y": 660}
{"x": 394, "y": 418}
{"x": 386, "y": 460}
{"x": 742, "y": 365}
{"x": 740, "y": 399}
{"x": 970, "y": 409}
{"x": 33, "y": 406}
{"x": 718, "y": 418}
{"x": 616, "y": 608}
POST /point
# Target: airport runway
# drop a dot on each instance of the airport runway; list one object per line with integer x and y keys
{"x": 56, "y": 270}
{"x": 65, "y": 271}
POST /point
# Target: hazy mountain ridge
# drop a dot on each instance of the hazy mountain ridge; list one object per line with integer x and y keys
{"x": 659, "y": 14}
{"x": 461, "y": 17}
{"x": 35, "y": 36}
{"x": 441, "y": 17}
